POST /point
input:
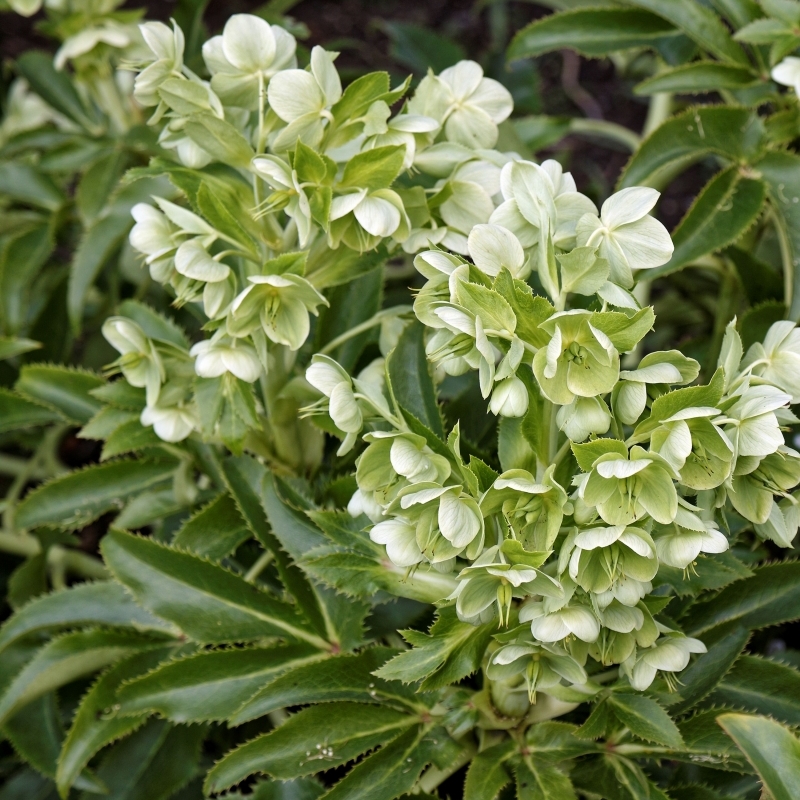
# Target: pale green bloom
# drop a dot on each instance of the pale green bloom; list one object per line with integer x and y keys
{"x": 777, "y": 360}
{"x": 583, "y": 417}
{"x": 140, "y": 361}
{"x": 670, "y": 653}
{"x": 410, "y": 130}
{"x": 247, "y": 54}
{"x": 493, "y": 248}
{"x": 751, "y": 423}
{"x": 627, "y": 237}
{"x": 362, "y": 218}
{"x": 400, "y": 539}
{"x": 560, "y": 622}
{"x": 172, "y": 423}
{"x": 167, "y": 61}
{"x": 626, "y": 489}
{"x": 579, "y": 360}
{"x": 279, "y": 304}
{"x": 679, "y": 544}
{"x": 751, "y": 492}
{"x": 222, "y": 354}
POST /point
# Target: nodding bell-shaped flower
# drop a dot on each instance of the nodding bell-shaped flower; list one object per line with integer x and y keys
{"x": 303, "y": 99}
{"x": 167, "y": 61}
{"x": 751, "y": 423}
{"x": 171, "y": 423}
{"x": 279, "y": 304}
{"x": 247, "y": 54}
{"x": 400, "y": 540}
{"x": 509, "y": 398}
{"x": 362, "y": 218}
{"x": 155, "y": 236}
{"x": 787, "y": 73}
{"x": 493, "y": 248}
{"x": 222, "y": 354}
{"x": 754, "y": 484}
{"x": 626, "y": 236}
{"x": 409, "y": 130}
{"x": 597, "y": 558}
{"x": 777, "y": 360}
{"x": 579, "y": 360}
{"x": 679, "y": 544}
{"x": 553, "y": 621}
{"x": 469, "y": 105}
{"x": 583, "y": 417}
{"x": 670, "y": 653}
{"x": 533, "y": 509}
{"x": 139, "y": 361}
{"x": 626, "y": 489}
{"x": 325, "y": 375}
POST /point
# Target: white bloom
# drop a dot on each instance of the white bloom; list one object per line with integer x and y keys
{"x": 469, "y": 105}
{"x": 668, "y": 654}
{"x": 221, "y": 354}
{"x": 167, "y": 60}
{"x": 87, "y": 39}
{"x": 627, "y": 237}
{"x": 787, "y": 73}
{"x": 170, "y": 424}
{"x": 509, "y": 398}
{"x": 404, "y": 129}
{"x": 374, "y": 211}
{"x": 492, "y": 248}
{"x": 777, "y": 360}
{"x": 193, "y": 261}
{"x": 249, "y": 52}
{"x": 400, "y": 539}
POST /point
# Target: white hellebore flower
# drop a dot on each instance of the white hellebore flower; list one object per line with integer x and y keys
{"x": 400, "y": 540}
{"x": 628, "y": 238}
{"x": 668, "y": 654}
{"x": 221, "y": 354}
{"x": 777, "y": 360}
{"x": 576, "y": 620}
{"x": 167, "y": 48}
{"x": 279, "y": 175}
{"x": 787, "y": 73}
{"x": 249, "y": 52}
{"x": 139, "y": 360}
{"x": 87, "y": 39}
{"x": 170, "y": 424}
{"x": 379, "y": 213}
{"x": 380, "y": 131}
{"x": 493, "y": 247}
{"x": 303, "y": 99}
{"x": 325, "y": 375}
{"x": 469, "y": 105}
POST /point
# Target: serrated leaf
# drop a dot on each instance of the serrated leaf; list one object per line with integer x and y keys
{"x": 336, "y": 679}
{"x": 11, "y": 346}
{"x": 591, "y": 31}
{"x": 93, "y": 726}
{"x": 771, "y": 749}
{"x": 728, "y": 205}
{"x": 66, "y": 658}
{"x": 315, "y": 738}
{"x": 588, "y": 452}
{"x": 215, "y": 531}
{"x": 219, "y": 139}
{"x": 699, "y": 76}
{"x": 18, "y": 412}
{"x": 207, "y": 602}
{"x": 64, "y": 389}
{"x": 536, "y": 781}
{"x": 451, "y": 651}
{"x": 770, "y": 597}
{"x": 645, "y": 718}
{"x": 487, "y": 774}
{"x": 761, "y": 686}
{"x": 130, "y": 437}
{"x": 152, "y": 763}
{"x": 101, "y": 603}
{"x": 78, "y": 498}
{"x": 154, "y": 324}
{"x": 209, "y": 685}
{"x": 410, "y": 377}
{"x": 702, "y": 735}
{"x": 733, "y": 133}
{"x": 670, "y": 403}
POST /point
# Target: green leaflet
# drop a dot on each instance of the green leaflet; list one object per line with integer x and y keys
{"x": 341, "y": 678}
{"x": 646, "y": 719}
{"x": 64, "y": 659}
{"x": 152, "y": 763}
{"x": 74, "y": 500}
{"x": 591, "y": 32}
{"x": 101, "y": 603}
{"x": 215, "y": 531}
{"x": 728, "y": 205}
{"x": 487, "y": 774}
{"x": 769, "y": 597}
{"x": 11, "y": 346}
{"x": 207, "y": 602}
{"x": 451, "y": 651}
{"x": 408, "y": 372}
{"x": 771, "y": 749}
{"x": 220, "y": 139}
{"x": 209, "y": 685}
{"x": 699, "y": 76}
{"x": 319, "y": 737}
{"x": 61, "y": 388}
{"x": 733, "y": 133}
{"x": 761, "y": 686}
{"x": 535, "y": 781}
{"x": 18, "y": 412}
{"x": 92, "y": 726}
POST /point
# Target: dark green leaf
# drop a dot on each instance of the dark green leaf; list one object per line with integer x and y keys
{"x": 64, "y": 389}
{"x": 18, "y": 412}
{"x": 74, "y": 500}
{"x": 215, "y": 531}
{"x": 25, "y": 184}
{"x": 419, "y": 48}
{"x": 699, "y": 76}
{"x": 206, "y": 601}
{"x": 13, "y": 346}
{"x": 210, "y": 685}
{"x": 645, "y": 718}
{"x": 319, "y": 737}
{"x": 487, "y": 773}
{"x": 771, "y": 749}
{"x": 219, "y": 139}
{"x": 101, "y": 603}
{"x": 539, "y": 782}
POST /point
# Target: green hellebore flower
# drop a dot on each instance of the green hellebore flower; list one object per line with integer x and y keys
{"x": 777, "y": 360}
{"x": 583, "y": 417}
{"x": 669, "y": 654}
{"x": 400, "y": 539}
{"x": 694, "y": 446}
{"x": 280, "y": 304}
{"x": 626, "y": 489}
{"x": 568, "y": 620}
{"x": 782, "y": 523}
{"x": 578, "y": 361}
{"x": 752, "y": 494}
{"x": 751, "y": 423}
{"x": 533, "y": 509}
{"x": 139, "y": 361}
{"x": 597, "y": 558}
{"x": 543, "y": 665}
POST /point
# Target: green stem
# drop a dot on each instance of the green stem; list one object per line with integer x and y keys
{"x": 72, "y": 560}
{"x": 372, "y": 322}
{"x": 727, "y": 304}
{"x": 658, "y": 112}
{"x": 434, "y": 776}
{"x": 264, "y": 560}
{"x": 606, "y": 130}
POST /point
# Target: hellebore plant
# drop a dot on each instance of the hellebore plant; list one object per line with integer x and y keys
{"x": 591, "y": 569}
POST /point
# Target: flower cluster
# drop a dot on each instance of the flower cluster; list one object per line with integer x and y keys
{"x": 616, "y": 473}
